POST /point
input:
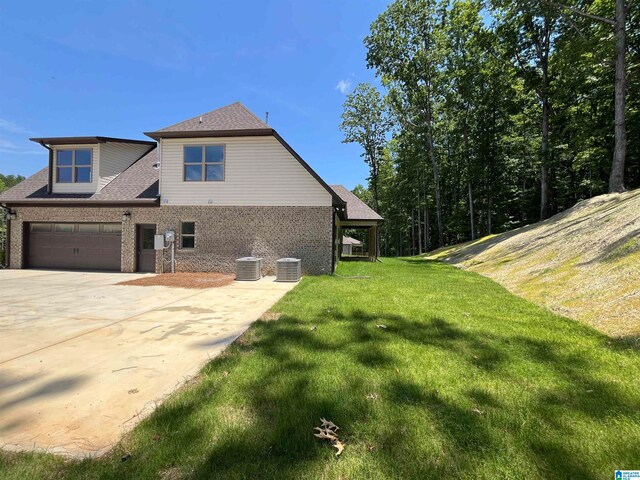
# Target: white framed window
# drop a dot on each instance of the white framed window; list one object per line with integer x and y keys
{"x": 74, "y": 165}
{"x": 204, "y": 163}
{"x": 187, "y": 235}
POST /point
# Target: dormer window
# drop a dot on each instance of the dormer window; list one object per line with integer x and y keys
{"x": 204, "y": 163}
{"x": 73, "y": 166}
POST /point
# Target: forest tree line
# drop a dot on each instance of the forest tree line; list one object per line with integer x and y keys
{"x": 493, "y": 115}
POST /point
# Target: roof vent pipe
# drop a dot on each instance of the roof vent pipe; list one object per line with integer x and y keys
{"x": 200, "y": 120}
{"x": 266, "y": 118}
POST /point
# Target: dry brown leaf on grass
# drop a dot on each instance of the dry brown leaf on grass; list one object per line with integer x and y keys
{"x": 329, "y": 424}
{"x": 329, "y": 431}
{"x": 381, "y": 326}
{"x": 477, "y": 411}
{"x": 314, "y": 328}
{"x": 325, "y": 434}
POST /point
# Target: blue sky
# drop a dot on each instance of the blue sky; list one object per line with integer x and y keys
{"x": 118, "y": 68}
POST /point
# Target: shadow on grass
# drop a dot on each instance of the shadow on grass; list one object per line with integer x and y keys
{"x": 484, "y": 396}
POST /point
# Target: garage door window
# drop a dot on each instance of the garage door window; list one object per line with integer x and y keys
{"x": 41, "y": 227}
{"x": 73, "y": 166}
{"x": 112, "y": 228}
{"x": 89, "y": 227}
{"x": 63, "y": 227}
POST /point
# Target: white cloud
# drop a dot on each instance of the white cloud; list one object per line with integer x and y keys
{"x": 8, "y": 126}
{"x": 344, "y": 86}
{"x": 7, "y": 146}
{"x": 18, "y": 145}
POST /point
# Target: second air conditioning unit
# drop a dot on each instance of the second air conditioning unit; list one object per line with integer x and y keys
{"x": 288, "y": 270}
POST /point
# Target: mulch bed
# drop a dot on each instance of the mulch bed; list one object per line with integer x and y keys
{"x": 183, "y": 280}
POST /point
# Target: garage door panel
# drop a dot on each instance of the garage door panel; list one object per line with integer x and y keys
{"x": 83, "y": 248}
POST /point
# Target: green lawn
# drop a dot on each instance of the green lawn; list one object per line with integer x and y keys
{"x": 466, "y": 381}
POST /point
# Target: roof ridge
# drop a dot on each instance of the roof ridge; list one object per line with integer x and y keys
{"x": 231, "y": 117}
{"x": 251, "y": 113}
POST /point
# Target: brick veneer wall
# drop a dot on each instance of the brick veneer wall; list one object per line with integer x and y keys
{"x": 222, "y": 234}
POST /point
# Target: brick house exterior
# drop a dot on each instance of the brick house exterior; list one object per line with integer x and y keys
{"x": 268, "y": 232}
{"x": 242, "y": 190}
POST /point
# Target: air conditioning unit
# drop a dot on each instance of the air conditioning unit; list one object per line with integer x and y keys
{"x": 288, "y": 270}
{"x": 249, "y": 268}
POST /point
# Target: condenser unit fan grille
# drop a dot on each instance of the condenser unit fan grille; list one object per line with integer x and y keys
{"x": 288, "y": 270}
{"x": 249, "y": 268}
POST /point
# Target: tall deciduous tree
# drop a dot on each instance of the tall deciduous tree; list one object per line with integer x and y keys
{"x": 529, "y": 30}
{"x": 616, "y": 177}
{"x": 405, "y": 48}
{"x": 365, "y": 121}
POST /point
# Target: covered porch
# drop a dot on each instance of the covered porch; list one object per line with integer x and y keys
{"x": 356, "y": 215}
{"x": 369, "y": 248}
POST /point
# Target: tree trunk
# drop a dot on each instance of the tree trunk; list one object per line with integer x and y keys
{"x": 419, "y": 222}
{"x": 544, "y": 153}
{"x": 427, "y": 240}
{"x": 489, "y": 218}
{"x": 616, "y": 180}
{"x": 468, "y": 154}
{"x": 436, "y": 173}
{"x": 436, "y": 181}
{"x": 471, "y": 216}
{"x": 546, "y": 114}
{"x": 413, "y": 233}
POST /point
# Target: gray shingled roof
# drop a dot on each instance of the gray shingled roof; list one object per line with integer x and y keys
{"x": 356, "y": 208}
{"x": 137, "y": 184}
{"x": 350, "y": 241}
{"x": 234, "y": 117}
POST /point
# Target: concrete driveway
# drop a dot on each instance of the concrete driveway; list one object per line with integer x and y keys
{"x": 82, "y": 360}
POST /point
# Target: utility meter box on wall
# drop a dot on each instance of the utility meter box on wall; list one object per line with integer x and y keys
{"x": 158, "y": 242}
{"x": 170, "y": 236}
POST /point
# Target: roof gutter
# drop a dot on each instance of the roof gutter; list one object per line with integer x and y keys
{"x": 86, "y": 140}
{"x": 258, "y": 132}
{"x": 153, "y": 202}
{"x": 50, "y": 182}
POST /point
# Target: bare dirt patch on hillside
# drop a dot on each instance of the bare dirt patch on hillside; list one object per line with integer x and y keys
{"x": 183, "y": 280}
{"x": 583, "y": 263}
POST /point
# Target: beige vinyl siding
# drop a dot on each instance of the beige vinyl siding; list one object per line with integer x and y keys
{"x": 77, "y": 187}
{"x": 259, "y": 171}
{"x": 117, "y": 157}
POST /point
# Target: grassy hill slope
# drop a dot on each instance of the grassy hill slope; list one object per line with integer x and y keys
{"x": 583, "y": 263}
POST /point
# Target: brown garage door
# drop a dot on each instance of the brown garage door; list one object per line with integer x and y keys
{"x": 80, "y": 246}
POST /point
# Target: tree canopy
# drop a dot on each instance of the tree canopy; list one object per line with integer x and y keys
{"x": 502, "y": 114}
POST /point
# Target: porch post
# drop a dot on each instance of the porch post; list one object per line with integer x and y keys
{"x": 373, "y": 243}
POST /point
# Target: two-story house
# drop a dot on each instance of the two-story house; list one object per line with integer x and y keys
{"x": 225, "y": 182}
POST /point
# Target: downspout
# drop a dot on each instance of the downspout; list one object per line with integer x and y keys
{"x": 5, "y": 212}
{"x": 50, "y": 183}
{"x": 159, "y": 160}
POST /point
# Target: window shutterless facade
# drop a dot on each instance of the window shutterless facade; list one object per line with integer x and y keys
{"x": 73, "y": 165}
{"x": 187, "y": 235}
{"x": 204, "y": 163}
